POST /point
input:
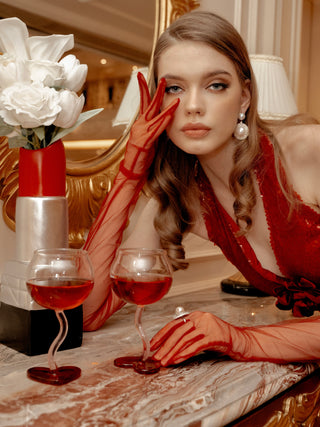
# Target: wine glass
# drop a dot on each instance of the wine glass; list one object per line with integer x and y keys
{"x": 58, "y": 279}
{"x": 141, "y": 277}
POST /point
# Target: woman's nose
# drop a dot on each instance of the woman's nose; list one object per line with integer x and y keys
{"x": 193, "y": 103}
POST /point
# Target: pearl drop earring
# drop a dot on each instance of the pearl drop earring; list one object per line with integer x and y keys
{"x": 241, "y": 131}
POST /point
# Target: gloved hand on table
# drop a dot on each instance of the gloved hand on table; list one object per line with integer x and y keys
{"x": 289, "y": 341}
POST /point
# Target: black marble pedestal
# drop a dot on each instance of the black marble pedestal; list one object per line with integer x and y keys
{"x": 32, "y": 332}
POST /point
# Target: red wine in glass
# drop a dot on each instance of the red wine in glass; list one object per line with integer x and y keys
{"x": 141, "y": 277}
{"x": 60, "y": 294}
{"x": 59, "y": 279}
{"x": 143, "y": 291}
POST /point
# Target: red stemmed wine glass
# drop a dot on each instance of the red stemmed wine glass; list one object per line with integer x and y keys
{"x": 58, "y": 279}
{"x": 141, "y": 277}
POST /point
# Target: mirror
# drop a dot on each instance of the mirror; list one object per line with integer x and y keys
{"x": 105, "y": 86}
{"x": 95, "y": 149}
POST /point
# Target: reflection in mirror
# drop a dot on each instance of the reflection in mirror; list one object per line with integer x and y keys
{"x": 105, "y": 86}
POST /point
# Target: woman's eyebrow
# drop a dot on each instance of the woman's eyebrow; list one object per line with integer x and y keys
{"x": 206, "y": 76}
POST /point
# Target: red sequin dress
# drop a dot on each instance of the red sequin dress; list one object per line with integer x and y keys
{"x": 295, "y": 240}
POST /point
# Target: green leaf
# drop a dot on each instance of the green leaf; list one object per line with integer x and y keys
{"x": 4, "y": 128}
{"x": 26, "y": 132}
{"x": 82, "y": 118}
{"x": 40, "y": 132}
{"x": 17, "y": 142}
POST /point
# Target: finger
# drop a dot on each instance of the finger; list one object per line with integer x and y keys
{"x": 160, "y": 122}
{"x": 188, "y": 351}
{"x": 165, "y": 333}
{"x": 168, "y": 111}
{"x": 145, "y": 98}
{"x": 195, "y": 347}
{"x": 173, "y": 339}
{"x": 156, "y": 102}
{"x": 158, "y": 128}
{"x": 193, "y": 338}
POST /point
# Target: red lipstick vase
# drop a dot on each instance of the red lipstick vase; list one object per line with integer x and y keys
{"x": 43, "y": 172}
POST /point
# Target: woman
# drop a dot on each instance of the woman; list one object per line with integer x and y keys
{"x": 222, "y": 173}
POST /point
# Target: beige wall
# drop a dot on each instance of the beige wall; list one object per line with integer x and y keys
{"x": 309, "y": 87}
{"x": 270, "y": 27}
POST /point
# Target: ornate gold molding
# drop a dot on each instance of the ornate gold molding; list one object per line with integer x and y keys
{"x": 301, "y": 410}
{"x": 9, "y": 175}
{"x": 168, "y": 11}
{"x": 180, "y": 7}
{"x": 88, "y": 182}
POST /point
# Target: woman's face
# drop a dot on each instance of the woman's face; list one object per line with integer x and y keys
{"x": 211, "y": 96}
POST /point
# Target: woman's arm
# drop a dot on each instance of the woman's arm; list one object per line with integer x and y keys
{"x": 300, "y": 146}
{"x": 105, "y": 235}
{"x": 290, "y": 341}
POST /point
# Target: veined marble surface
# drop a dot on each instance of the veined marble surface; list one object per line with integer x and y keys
{"x": 207, "y": 390}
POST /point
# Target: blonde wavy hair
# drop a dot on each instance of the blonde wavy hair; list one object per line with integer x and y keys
{"x": 172, "y": 177}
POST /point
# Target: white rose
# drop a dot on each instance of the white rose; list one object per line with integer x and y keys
{"x": 75, "y": 73}
{"x": 14, "y": 39}
{"x": 13, "y": 36}
{"x": 29, "y": 105}
{"x": 71, "y": 106}
{"x": 49, "y": 73}
{"x": 12, "y": 71}
{"x": 49, "y": 48}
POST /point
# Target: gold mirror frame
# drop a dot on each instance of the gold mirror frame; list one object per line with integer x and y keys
{"x": 87, "y": 181}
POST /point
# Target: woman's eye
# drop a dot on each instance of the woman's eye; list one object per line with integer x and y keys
{"x": 173, "y": 89}
{"x": 218, "y": 86}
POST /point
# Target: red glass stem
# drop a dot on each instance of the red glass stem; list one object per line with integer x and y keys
{"x": 144, "y": 338}
{"x": 63, "y": 322}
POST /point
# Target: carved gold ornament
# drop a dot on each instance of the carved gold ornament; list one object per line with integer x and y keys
{"x": 302, "y": 410}
{"x": 180, "y": 7}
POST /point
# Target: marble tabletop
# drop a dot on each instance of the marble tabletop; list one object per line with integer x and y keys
{"x": 206, "y": 391}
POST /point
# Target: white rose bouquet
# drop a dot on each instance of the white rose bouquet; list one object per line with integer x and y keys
{"x": 39, "y": 103}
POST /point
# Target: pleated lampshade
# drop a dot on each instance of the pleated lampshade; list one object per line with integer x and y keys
{"x": 276, "y": 100}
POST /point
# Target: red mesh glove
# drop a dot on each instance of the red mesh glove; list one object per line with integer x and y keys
{"x": 290, "y": 341}
{"x": 105, "y": 235}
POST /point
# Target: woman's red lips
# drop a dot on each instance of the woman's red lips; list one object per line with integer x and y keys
{"x": 195, "y": 130}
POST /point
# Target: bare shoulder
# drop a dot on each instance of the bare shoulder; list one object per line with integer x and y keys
{"x": 300, "y": 143}
{"x": 300, "y": 146}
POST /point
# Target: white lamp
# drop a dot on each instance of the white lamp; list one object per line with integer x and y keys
{"x": 131, "y": 99}
{"x": 276, "y": 100}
